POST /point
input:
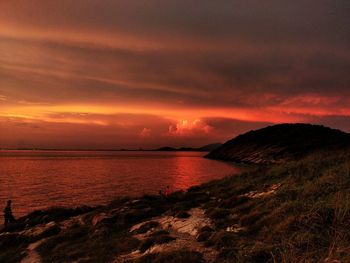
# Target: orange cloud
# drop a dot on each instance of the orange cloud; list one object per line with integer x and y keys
{"x": 189, "y": 128}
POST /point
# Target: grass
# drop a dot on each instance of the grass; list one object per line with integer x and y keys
{"x": 110, "y": 237}
{"x": 307, "y": 220}
{"x": 179, "y": 256}
{"x": 79, "y": 242}
{"x": 205, "y": 233}
{"x": 155, "y": 240}
{"x": 12, "y": 247}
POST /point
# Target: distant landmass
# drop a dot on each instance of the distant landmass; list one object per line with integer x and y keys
{"x": 280, "y": 143}
{"x": 205, "y": 148}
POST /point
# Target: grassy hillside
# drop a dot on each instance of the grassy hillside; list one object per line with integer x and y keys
{"x": 307, "y": 219}
{"x": 280, "y": 143}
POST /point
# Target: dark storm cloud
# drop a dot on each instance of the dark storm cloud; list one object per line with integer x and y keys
{"x": 189, "y": 77}
{"x": 267, "y": 20}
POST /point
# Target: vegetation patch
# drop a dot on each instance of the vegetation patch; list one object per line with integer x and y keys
{"x": 144, "y": 228}
{"x": 179, "y": 256}
{"x": 155, "y": 240}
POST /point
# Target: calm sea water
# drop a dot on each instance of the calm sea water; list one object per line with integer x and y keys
{"x": 40, "y": 179}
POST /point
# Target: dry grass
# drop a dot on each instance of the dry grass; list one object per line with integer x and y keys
{"x": 306, "y": 220}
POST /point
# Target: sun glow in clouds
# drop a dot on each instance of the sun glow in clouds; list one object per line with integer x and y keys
{"x": 190, "y": 128}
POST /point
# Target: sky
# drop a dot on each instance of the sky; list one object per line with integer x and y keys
{"x": 97, "y": 74}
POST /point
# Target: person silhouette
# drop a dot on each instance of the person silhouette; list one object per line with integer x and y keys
{"x": 8, "y": 214}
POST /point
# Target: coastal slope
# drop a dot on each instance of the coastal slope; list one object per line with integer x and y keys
{"x": 280, "y": 143}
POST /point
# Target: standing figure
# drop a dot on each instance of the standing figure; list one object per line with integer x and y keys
{"x": 8, "y": 214}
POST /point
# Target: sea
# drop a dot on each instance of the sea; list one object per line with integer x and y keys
{"x": 41, "y": 179}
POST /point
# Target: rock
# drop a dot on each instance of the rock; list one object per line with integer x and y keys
{"x": 236, "y": 228}
{"x": 270, "y": 191}
{"x": 31, "y": 255}
{"x": 178, "y": 233}
{"x": 74, "y": 221}
{"x": 98, "y": 218}
{"x": 42, "y": 231}
{"x": 191, "y": 225}
{"x": 330, "y": 260}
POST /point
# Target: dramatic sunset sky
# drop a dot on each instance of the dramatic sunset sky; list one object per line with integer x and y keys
{"x": 150, "y": 73}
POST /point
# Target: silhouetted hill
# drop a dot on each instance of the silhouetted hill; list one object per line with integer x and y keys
{"x": 279, "y": 143}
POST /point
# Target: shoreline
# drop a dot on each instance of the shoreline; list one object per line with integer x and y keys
{"x": 242, "y": 166}
{"x": 52, "y": 183}
{"x": 248, "y": 217}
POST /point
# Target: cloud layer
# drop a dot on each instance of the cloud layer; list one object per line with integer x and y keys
{"x": 189, "y": 73}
